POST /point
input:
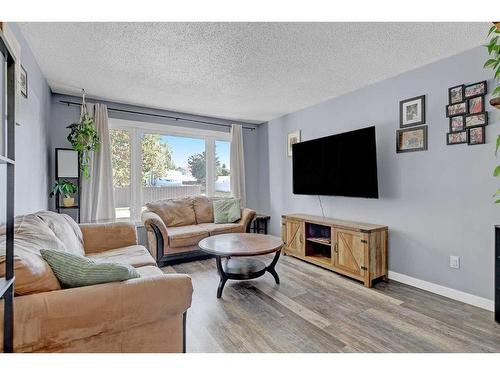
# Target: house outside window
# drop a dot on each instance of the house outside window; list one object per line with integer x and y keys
{"x": 153, "y": 162}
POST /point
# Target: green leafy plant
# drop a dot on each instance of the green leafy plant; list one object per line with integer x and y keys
{"x": 84, "y": 139}
{"x": 494, "y": 63}
{"x": 65, "y": 188}
{"x": 494, "y": 57}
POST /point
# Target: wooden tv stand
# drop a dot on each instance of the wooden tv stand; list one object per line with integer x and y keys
{"x": 357, "y": 250}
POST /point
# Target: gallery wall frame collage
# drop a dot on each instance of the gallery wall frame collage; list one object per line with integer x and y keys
{"x": 466, "y": 113}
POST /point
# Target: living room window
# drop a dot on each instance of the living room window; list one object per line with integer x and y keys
{"x": 152, "y": 162}
{"x": 223, "y": 169}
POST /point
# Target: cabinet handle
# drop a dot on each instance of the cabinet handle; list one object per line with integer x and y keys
{"x": 336, "y": 247}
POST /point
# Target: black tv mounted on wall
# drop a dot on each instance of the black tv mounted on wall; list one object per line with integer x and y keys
{"x": 342, "y": 164}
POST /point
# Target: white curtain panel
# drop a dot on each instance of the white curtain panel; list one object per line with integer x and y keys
{"x": 97, "y": 200}
{"x": 237, "y": 164}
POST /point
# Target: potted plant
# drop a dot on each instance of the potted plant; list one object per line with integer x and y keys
{"x": 494, "y": 62}
{"x": 67, "y": 189}
{"x": 83, "y": 137}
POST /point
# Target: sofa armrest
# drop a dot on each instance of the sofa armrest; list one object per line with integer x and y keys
{"x": 48, "y": 321}
{"x": 102, "y": 237}
{"x": 157, "y": 233}
{"x": 247, "y": 215}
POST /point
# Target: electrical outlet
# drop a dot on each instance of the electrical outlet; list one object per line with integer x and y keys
{"x": 454, "y": 261}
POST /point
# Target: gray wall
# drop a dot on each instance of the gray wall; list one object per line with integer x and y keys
{"x": 31, "y": 136}
{"x": 62, "y": 115}
{"x": 436, "y": 203}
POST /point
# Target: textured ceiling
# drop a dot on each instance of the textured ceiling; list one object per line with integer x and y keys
{"x": 243, "y": 71}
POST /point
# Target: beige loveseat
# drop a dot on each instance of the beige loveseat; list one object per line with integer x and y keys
{"x": 138, "y": 315}
{"x": 175, "y": 226}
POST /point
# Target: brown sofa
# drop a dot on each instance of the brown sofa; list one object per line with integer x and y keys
{"x": 175, "y": 226}
{"x": 139, "y": 315}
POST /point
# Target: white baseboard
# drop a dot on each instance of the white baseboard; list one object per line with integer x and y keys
{"x": 470, "y": 299}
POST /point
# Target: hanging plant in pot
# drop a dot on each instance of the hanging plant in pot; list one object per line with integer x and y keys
{"x": 494, "y": 62}
{"x": 67, "y": 189}
{"x": 84, "y": 139}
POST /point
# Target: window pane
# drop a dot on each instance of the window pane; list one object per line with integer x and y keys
{"x": 172, "y": 167}
{"x": 120, "y": 159}
{"x": 222, "y": 169}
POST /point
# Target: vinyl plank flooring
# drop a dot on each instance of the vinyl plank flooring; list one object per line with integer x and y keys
{"x": 315, "y": 310}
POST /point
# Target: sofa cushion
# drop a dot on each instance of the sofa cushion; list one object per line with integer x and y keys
{"x": 174, "y": 212}
{"x": 214, "y": 229}
{"x": 226, "y": 210}
{"x": 135, "y": 255}
{"x": 76, "y": 270}
{"x": 65, "y": 229}
{"x": 203, "y": 209}
{"x": 188, "y": 235}
{"x": 33, "y": 274}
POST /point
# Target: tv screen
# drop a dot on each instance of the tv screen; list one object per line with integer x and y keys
{"x": 341, "y": 164}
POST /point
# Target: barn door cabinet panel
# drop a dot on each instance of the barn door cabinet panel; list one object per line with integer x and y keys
{"x": 294, "y": 237}
{"x": 357, "y": 250}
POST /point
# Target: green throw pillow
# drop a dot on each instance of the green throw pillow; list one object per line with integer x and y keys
{"x": 226, "y": 210}
{"x": 75, "y": 270}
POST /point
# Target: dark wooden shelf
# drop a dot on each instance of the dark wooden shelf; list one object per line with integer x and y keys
{"x": 8, "y": 127}
{"x": 77, "y": 203}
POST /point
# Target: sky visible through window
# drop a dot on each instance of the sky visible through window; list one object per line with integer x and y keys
{"x": 183, "y": 147}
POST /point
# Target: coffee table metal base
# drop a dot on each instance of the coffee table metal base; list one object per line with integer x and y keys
{"x": 235, "y": 268}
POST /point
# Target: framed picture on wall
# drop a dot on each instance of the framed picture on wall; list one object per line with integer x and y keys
{"x": 478, "y": 119}
{"x": 456, "y": 109}
{"x": 476, "y": 89}
{"x": 476, "y": 136}
{"x": 292, "y": 138}
{"x": 476, "y": 105}
{"x": 23, "y": 82}
{"x": 457, "y": 138}
{"x": 409, "y": 140}
{"x": 457, "y": 124}
{"x": 412, "y": 112}
{"x": 456, "y": 94}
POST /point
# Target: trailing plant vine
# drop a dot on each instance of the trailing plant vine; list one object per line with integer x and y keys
{"x": 494, "y": 63}
{"x": 494, "y": 57}
{"x": 84, "y": 139}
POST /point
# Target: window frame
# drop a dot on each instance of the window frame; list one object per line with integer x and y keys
{"x": 137, "y": 129}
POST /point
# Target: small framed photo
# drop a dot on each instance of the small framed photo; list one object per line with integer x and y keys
{"x": 476, "y": 89}
{"x": 457, "y": 124}
{"x": 456, "y": 94}
{"x": 292, "y": 138}
{"x": 478, "y": 119}
{"x": 457, "y": 138}
{"x": 476, "y": 105}
{"x": 456, "y": 109}
{"x": 412, "y": 112}
{"x": 414, "y": 139}
{"x": 476, "y": 136}
{"x": 23, "y": 82}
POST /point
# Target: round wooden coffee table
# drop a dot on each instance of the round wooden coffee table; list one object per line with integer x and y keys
{"x": 241, "y": 245}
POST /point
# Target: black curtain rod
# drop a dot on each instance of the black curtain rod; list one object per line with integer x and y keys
{"x": 156, "y": 115}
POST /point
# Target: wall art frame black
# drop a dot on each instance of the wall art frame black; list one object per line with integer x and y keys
{"x": 462, "y": 94}
{"x": 402, "y": 103}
